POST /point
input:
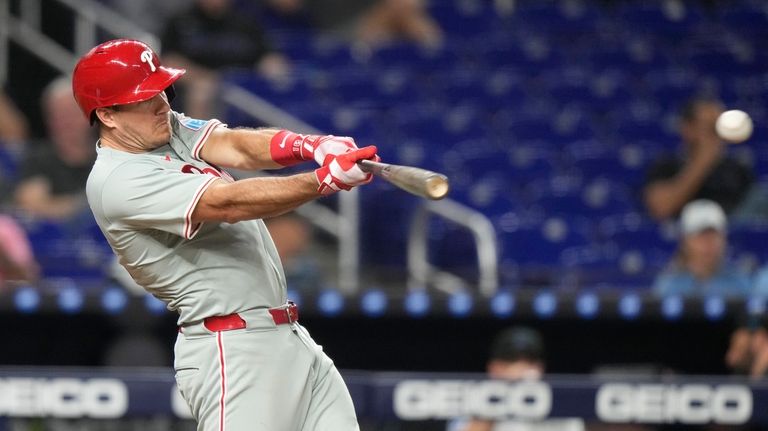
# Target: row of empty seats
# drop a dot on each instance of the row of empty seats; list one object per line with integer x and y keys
{"x": 546, "y": 116}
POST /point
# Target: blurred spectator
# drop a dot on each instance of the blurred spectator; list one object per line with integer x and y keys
{"x": 370, "y": 22}
{"x": 16, "y": 259}
{"x": 53, "y": 175}
{"x": 703, "y": 171}
{"x": 293, "y": 238}
{"x": 516, "y": 353}
{"x": 210, "y": 36}
{"x": 748, "y": 350}
{"x": 738, "y": 357}
{"x": 13, "y": 125}
{"x": 699, "y": 267}
{"x": 760, "y": 281}
{"x": 14, "y": 133}
{"x": 759, "y": 351}
{"x": 150, "y": 15}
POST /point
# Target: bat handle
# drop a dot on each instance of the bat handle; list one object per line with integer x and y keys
{"x": 370, "y": 166}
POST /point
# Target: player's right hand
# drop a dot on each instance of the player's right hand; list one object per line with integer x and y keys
{"x": 341, "y": 172}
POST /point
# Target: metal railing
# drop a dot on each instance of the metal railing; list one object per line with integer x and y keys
{"x": 92, "y": 17}
{"x": 422, "y": 274}
{"x": 344, "y": 224}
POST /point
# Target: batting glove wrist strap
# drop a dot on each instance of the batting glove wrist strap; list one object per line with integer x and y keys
{"x": 288, "y": 148}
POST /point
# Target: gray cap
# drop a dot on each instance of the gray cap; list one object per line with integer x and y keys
{"x": 700, "y": 215}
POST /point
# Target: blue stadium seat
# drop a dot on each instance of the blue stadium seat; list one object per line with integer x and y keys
{"x": 463, "y": 17}
{"x": 546, "y": 113}
{"x": 573, "y": 16}
{"x": 9, "y": 165}
{"x": 76, "y": 249}
{"x": 672, "y": 19}
{"x": 600, "y": 266}
{"x": 635, "y": 230}
{"x": 745, "y": 17}
{"x": 751, "y": 238}
{"x": 543, "y": 241}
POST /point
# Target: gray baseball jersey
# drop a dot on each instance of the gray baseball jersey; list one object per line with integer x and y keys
{"x": 143, "y": 204}
{"x": 262, "y": 377}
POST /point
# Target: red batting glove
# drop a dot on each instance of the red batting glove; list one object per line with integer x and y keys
{"x": 342, "y": 172}
{"x": 288, "y": 148}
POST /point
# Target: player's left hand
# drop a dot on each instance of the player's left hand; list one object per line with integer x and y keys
{"x": 342, "y": 172}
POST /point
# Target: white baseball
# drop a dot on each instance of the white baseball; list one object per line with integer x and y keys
{"x": 734, "y": 126}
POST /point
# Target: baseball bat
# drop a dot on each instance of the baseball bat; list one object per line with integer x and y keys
{"x": 420, "y": 182}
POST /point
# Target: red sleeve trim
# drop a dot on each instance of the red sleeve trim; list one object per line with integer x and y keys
{"x": 204, "y": 137}
{"x": 189, "y": 230}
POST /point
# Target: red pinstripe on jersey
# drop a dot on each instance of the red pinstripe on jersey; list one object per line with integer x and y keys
{"x": 189, "y": 230}
{"x": 222, "y": 400}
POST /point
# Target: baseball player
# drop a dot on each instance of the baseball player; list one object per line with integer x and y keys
{"x": 193, "y": 237}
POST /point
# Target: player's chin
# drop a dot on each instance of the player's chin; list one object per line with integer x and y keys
{"x": 165, "y": 138}
{"x": 164, "y": 133}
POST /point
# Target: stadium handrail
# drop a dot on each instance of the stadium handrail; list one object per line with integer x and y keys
{"x": 342, "y": 224}
{"x": 421, "y": 272}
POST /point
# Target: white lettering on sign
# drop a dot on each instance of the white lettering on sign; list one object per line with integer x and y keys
{"x": 686, "y": 404}
{"x": 444, "y": 399}
{"x": 63, "y": 398}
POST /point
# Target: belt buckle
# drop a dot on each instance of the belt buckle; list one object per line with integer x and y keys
{"x": 290, "y": 312}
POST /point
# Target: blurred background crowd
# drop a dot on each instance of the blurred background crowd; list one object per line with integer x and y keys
{"x": 581, "y": 131}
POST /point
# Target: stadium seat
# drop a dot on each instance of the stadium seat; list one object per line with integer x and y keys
{"x": 669, "y": 18}
{"x": 545, "y": 115}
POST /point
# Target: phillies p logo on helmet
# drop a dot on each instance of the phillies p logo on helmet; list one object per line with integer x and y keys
{"x": 146, "y": 57}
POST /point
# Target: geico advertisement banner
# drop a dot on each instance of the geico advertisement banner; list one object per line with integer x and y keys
{"x": 99, "y": 398}
{"x": 652, "y": 403}
{"x": 446, "y": 399}
{"x": 63, "y": 397}
{"x": 684, "y": 403}
{"x": 104, "y": 394}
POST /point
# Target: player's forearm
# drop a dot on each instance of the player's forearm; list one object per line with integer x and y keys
{"x": 254, "y": 145}
{"x": 253, "y": 149}
{"x": 667, "y": 197}
{"x": 244, "y": 149}
{"x": 254, "y": 198}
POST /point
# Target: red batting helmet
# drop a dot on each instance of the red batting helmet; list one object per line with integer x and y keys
{"x": 118, "y": 72}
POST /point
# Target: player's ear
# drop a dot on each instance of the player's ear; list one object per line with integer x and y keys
{"x": 106, "y": 116}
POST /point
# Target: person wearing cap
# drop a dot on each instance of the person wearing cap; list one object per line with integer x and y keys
{"x": 516, "y": 353}
{"x": 699, "y": 267}
{"x": 702, "y": 170}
